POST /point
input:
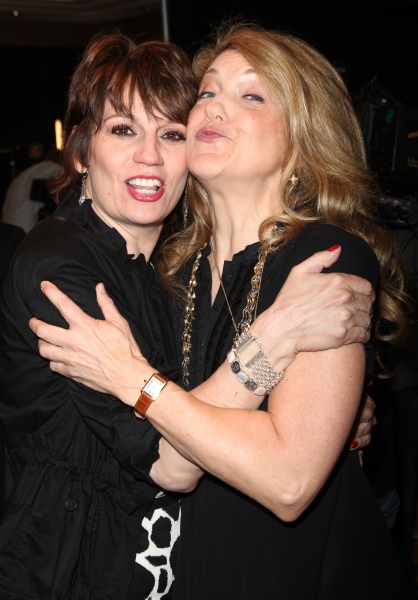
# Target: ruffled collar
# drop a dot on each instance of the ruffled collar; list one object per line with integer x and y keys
{"x": 87, "y": 218}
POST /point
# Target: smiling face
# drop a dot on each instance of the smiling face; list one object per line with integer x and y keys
{"x": 235, "y": 132}
{"x": 137, "y": 170}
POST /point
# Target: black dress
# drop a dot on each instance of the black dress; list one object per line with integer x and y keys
{"x": 77, "y": 485}
{"x": 232, "y": 548}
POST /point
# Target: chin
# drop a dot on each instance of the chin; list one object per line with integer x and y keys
{"x": 144, "y": 215}
{"x": 206, "y": 168}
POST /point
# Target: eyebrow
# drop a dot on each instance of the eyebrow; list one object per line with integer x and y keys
{"x": 247, "y": 72}
{"x": 115, "y": 115}
{"x": 134, "y": 120}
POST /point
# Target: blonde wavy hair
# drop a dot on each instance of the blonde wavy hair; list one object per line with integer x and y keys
{"x": 326, "y": 153}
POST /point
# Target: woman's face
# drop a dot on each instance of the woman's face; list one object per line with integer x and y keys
{"x": 137, "y": 169}
{"x": 234, "y": 131}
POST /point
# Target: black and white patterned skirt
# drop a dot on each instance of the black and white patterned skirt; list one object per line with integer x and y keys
{"x": 157, "y": 550}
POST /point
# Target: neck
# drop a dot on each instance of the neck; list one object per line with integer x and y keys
{"x": 143, "y": 242}
{"x": 236, "y": 222}
{"x": 140, "y": 239}
{"x": 237, "y": 216}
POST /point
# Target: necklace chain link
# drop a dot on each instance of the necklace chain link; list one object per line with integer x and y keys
{"x": 253, "y": 295}
{"x": 248, "y": 310}
{"x": 188, "y": 319}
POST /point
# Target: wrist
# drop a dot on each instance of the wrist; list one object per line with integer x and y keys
{"x": 149, "y": 393}
{"x": 255, "y": 371}
{"x": 130, "y": 386}
{"x": 280, "y": 349}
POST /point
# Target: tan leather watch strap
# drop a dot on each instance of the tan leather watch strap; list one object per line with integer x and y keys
{"x": 142, "y": 405}
{"x": 149, "y": 394}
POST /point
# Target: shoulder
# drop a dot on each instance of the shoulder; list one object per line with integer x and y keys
{"x": 58, "y": 249}
{"x": 321, "y": 236}
{"x": 55, "y": 237}
{"x": 356, "y": 258}
{"x": 10, "y": 238}
{"x": 11, "y": 235}
{"x": 68, "y": 235}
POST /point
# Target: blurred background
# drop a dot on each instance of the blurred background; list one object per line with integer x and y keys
{"x": 41, "y": 42}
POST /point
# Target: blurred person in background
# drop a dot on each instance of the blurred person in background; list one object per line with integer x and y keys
{"x": 19, "y": 208}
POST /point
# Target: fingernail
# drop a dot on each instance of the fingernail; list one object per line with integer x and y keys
{"x": 333, "y": 248}
{"x": 100, "y": 288}
{"x": 354, "y": 445}
{"x": 42, "y": 284}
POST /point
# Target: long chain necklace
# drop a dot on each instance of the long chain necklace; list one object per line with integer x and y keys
{"x": 247, "y": 313}
{"x": 187, "y": 330}
{"x": 215, "y": 259}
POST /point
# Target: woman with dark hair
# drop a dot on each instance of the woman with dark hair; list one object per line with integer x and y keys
{"x": 86, "y": 516}
{"x": 76, "y": 484}
{"x": 279, "y": 170}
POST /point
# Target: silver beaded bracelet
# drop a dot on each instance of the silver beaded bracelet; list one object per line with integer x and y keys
{"x": 257, "y": 374}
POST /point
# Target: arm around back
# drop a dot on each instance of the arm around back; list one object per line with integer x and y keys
{"x": 283, "y": 457}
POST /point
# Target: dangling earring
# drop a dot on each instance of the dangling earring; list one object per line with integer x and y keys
{"x": 185, "y": 207}
{"x": 83, "y": 188}
{"x": 293, "y": 180}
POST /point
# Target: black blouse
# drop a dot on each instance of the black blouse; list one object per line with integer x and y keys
{"x": 231, "y": 547}
{"x": 77, "y": 483}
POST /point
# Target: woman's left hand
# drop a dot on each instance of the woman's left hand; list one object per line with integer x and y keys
{"x": 315, "y": 311}
{"x": 85, "y": 352}
{"x": 365, "y": 421}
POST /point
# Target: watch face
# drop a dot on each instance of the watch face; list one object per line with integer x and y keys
{"x": 154, "y": 387}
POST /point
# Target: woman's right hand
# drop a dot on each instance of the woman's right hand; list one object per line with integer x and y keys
{"x": 101, "y": 354}
{"x": 315, "y": 311}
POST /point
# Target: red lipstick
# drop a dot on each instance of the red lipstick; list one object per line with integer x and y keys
{"x": 145, "y": 188}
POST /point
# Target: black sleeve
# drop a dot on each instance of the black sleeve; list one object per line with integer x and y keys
{"x": 10, "y": 238}
{"x": 356, "y": 258}
{"x": 34, "y": 393}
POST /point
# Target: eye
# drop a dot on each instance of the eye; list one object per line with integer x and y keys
{"x": 122, "y": 130}
{"x": 173, "y": 135}
{"x": 205, "y": 95}
{"x": 254, "y": 97}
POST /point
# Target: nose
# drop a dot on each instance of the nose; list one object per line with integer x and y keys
{"x": 216, "y": 109}
{"x": 147, "y": 150}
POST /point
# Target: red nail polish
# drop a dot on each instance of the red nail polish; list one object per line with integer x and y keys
{"x": 333, "y": 248}
{"x": 354, "y": 445}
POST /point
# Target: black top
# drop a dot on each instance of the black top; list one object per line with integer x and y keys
{"x": 77, "y": 484}
{"x": 10, "y": 238}
{"x": 232, "y": 548}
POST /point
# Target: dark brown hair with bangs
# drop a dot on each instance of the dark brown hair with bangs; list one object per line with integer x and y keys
{"x": 112, "y": 65}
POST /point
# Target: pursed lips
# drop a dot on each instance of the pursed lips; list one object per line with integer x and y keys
{"x": 208, "y": 134}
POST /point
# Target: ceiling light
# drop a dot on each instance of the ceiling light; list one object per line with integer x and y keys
{"x": 58, "y": 135}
